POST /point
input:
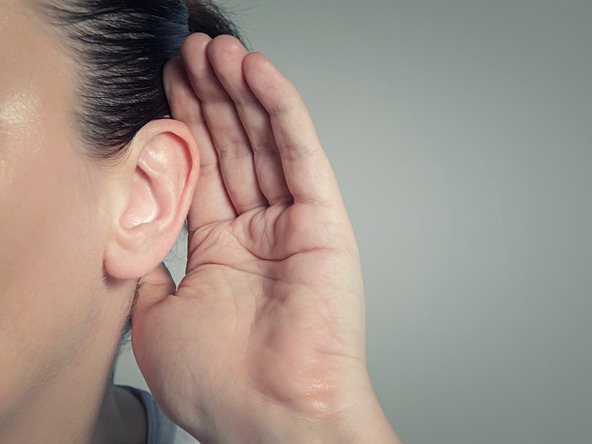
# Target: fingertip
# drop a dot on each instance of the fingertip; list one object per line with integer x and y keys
{"x": 254, "y": 59}
{"x": 226, "y": 54}
{"x": 226, "y": 43}
{"x": 273, "y": 89}
{"x": 254, "y": 66}
{"x": 197, "y": 38}
{"x": 194, "y": 43}
{"x": 260, "y": 69}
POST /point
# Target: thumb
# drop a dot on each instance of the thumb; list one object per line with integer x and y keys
{"x": 153, "y": 288}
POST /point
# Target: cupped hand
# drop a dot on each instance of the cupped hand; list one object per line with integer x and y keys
{"x": 264, "y": 337}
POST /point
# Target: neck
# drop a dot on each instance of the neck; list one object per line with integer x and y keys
{"x": 79, "y": 404}
{"x": 65, "y": 408}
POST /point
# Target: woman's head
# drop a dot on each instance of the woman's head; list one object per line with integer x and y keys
{"x": 119, "y": 48}
{"x": 81, "y": 83}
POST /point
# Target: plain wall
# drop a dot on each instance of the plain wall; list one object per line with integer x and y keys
{"x": 461, "y": 134}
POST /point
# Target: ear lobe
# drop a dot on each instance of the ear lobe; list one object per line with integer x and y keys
{"x": 151, "y": 198}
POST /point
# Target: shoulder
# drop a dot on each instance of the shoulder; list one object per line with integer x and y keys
{"x": 161, "y": 430}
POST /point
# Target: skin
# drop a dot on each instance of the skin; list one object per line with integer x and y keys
{"x": 269, "y": 319}
{"x": 65, "y": 220}
{"x": 268, "y": 322}
{"x": 39, "y": 224}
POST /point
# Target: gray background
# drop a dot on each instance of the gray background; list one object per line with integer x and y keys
{"x": 461, "y": 134}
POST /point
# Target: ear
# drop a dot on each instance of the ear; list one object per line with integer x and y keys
{"x": 149, "y": 198}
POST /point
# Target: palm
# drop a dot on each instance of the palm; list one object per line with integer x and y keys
{"x": 259, "y": 302}
{"x": 270, "y": 311}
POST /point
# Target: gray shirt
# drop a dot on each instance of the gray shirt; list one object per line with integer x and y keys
{"x": 161, "y": 430}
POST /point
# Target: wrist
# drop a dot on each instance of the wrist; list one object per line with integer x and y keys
{"x": 353, "y": 418}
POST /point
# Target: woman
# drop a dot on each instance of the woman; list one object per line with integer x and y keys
{"x": 263, "y": 341}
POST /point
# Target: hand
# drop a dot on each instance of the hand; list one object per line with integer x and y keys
{"x": 263, "y": 340}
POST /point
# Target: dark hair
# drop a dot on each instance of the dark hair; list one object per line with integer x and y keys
{"x": 119, "y": 48}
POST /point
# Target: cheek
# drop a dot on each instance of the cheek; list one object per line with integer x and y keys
{"x": 46, "y": 232}
{"x": 51, "y": 274}
{"x": 50, "y": 260}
